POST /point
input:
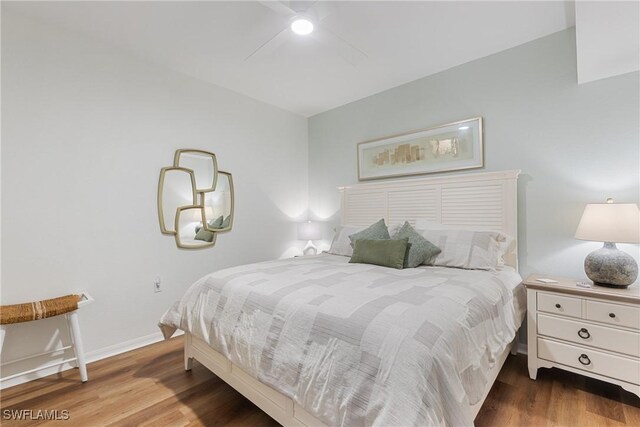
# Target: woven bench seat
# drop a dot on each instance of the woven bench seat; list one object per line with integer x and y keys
{"x": 26, "y": 312}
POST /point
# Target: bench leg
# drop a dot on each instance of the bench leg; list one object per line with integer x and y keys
{"x": 77, "y": 344}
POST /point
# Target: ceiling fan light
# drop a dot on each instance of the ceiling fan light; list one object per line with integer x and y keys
{"x": 302, "y": 26}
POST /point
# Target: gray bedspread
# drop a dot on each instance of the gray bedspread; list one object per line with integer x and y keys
{"x": 357, "y": 344}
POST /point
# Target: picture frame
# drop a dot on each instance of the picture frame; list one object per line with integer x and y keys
{"x": 449, "y": 147}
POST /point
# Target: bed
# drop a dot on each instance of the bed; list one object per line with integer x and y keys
{"x": 318, "y": 341}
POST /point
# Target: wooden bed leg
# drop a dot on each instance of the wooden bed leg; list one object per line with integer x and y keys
{"x": 188, "y": 359}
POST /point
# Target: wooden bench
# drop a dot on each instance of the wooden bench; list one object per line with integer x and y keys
{"x": 37, "y": 310}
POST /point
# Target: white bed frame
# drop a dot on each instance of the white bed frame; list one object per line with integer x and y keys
{"x": 474, "y": 200}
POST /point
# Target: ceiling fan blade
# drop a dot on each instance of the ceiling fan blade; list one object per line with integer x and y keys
{"x": 321, "y": 9}
{"x": 346, "y": 50}
{"x": 278, "y": 7}
{"x": 271, "y": 45}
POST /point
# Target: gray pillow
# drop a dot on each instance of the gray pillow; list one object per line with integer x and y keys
{"x": 205, "y": 235}
{"x": 226, "y": 222}
{"x": 419, "y": 250}
{"x": 377, "y": 231}
{"x": 214, "y": 223}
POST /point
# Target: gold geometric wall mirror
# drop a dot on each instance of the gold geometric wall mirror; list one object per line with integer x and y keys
{"x": 195, "y": 199}
{"x": 176, "y": 188}
{"x": 218, "y": 204}
{"x": 203, "y": 164}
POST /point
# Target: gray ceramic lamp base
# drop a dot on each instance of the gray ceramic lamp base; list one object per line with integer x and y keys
{"x": 609, "y": 266}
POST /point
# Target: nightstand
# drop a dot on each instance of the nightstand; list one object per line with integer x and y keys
{"x": 590, "y": 331}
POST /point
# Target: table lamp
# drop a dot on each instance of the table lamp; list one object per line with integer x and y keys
{"x": 309, "y": 231}
{"x": 610, "y": 223}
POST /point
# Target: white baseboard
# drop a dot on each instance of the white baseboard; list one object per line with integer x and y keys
{"x": 523, "y": 349}
{"x": 91, "y": 356}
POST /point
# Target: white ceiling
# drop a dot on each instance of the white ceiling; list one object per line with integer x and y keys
{"x": 403, "y": 41}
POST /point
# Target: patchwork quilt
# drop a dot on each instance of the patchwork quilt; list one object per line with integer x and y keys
{"x": 358, "y": 344}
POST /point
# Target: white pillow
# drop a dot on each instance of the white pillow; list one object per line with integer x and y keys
{"x": 504, "y": 241}
{"x": 341, "y": 244}
{"x": 393, "y": 229}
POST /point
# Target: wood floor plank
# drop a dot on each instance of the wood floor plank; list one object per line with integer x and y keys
{"x": 149, "y": 387}
{"x": 567, "y": 404}
{"x": 631, "y": 409}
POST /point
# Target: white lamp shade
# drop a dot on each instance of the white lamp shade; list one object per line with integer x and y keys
{"x": 610, "y": 222}
{"x": 309, "y": 231}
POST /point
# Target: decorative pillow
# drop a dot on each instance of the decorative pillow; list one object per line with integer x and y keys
{"x": 387, "y": 253}
{"x": 505, "y": 248}
{"x": 341, "y": 245}
{"x": 205, "y": 235}
{"x": 505, "y": 242}
{"x": 376, "y": 231}
{"x": 214, "y": 223}
{"x": 393, "y": 229}
{"x": 419, "y": 250}
{"x": 226, "y": 222}
{"x": 476, "y": 250}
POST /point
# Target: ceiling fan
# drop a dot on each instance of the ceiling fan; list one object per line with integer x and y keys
{"x": 307, "y": 23}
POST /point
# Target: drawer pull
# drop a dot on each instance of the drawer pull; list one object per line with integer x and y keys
{"x": 612, "y": 315}
{"x": 558, "y": 306}
{"x": 584, "y": 333}
{"x": 584, "y": 359}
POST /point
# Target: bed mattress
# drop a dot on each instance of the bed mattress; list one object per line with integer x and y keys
{"x": 358, "y": 344}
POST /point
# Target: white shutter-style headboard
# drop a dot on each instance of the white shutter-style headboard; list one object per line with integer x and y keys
{"x": 483, "y": 201}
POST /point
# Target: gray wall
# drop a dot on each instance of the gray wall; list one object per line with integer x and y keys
{"x": 574, "y": 144}
{"x": 85, "y": 131}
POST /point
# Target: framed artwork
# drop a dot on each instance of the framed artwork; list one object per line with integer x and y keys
{"x": 444, "y": 148}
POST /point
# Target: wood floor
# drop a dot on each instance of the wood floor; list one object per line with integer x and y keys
{"x": 149, "y": 387}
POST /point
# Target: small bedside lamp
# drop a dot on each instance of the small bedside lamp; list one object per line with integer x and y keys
{"x": 309, "y": 231}
{"x": 610, "y": 223}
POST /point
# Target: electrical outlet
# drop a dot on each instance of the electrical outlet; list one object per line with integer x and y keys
{"x": 157, "y": 284}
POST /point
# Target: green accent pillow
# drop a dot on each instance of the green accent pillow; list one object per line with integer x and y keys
{"x": 387, "y": 253}
{"x": 205, "y": 235}
{"x": 420, "y": 250}
{"x": 226, "y": 222}
{"x": 377, "y": 231}
{"x": 216, "y": 223}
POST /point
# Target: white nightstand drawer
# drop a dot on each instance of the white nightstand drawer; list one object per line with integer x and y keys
{"x": 614, "y": 314}
{"x": 563, "y": 305}
{"x": 618, "y": 367}
{"x": 602, "y": 337}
